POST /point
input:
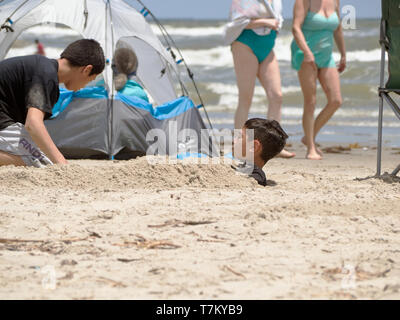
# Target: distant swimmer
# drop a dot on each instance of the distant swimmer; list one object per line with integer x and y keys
{"x": 39, "y": 48}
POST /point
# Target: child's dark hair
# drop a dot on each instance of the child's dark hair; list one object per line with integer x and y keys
{"x": 125, "y": 60}
{"x": 126, "y": 63}
{"x": 85, "y": 52}
{"x": 270, "y": 134}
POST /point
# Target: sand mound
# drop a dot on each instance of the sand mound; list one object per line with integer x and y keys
{"x": 136, "y": 174}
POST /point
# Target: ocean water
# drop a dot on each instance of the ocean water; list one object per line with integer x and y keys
{"x": 201, "y": 45}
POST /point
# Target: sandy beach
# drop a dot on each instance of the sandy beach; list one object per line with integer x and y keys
{"x": 133, "y": 230}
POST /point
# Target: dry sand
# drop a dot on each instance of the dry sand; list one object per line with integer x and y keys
{"x": 132, "y": 230}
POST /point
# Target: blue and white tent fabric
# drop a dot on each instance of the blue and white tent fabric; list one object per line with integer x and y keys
{"x": 80, "y": 125}
{"x": 113, "y": 23}
{"x": 96, "y": 121}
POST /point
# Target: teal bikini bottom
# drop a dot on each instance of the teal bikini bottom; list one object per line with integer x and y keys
{"x": 260, "y": 45}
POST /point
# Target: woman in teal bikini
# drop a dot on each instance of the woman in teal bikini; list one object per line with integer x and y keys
{"x": 316, "y": 25}
{"x": 251, "y": 34}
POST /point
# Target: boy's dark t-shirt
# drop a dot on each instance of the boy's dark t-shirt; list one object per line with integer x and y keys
{"x": 28, "y": 81}
{"x": 259, "y": 175}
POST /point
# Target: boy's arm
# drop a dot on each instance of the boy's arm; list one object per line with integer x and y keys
{"x": 35, "y": 126}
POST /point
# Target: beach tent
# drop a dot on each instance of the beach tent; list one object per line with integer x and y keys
{"x": 93, "y": 123}
{"x": 390, "y": 44}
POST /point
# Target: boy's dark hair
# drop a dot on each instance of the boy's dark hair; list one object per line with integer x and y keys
{"x": 270, "y": 134}
{"x": 85, "y": 52}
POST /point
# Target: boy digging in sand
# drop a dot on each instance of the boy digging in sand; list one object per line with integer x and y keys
{"x": 268, "y": 141}
{"x": 28, "y": 91}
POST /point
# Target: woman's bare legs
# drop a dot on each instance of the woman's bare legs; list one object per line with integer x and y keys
{"x": 270, "y": 78}
{"x": 308, "y": 74}
{"x": 330, "y": 82}
{"x": 246, "y": 69}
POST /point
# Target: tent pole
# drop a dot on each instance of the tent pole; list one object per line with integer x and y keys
{"x": 112, "y": 85}
{"x": 111, "y": 157}
{"x": 110, "y": 100}
{"x": 108, "y": 94}
{"x": 85, "y": 13}
{"x": 8, "y": 19}
{"x": 19, "y": 7}
{"x": 169, "y": 39}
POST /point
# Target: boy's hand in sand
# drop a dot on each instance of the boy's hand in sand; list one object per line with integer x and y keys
{"x": 37, "y": 130}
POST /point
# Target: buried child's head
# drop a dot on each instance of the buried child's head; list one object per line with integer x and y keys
{"x": 260, "y": 141}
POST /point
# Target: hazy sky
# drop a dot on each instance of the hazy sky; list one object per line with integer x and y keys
{"x": 219, "y": 9}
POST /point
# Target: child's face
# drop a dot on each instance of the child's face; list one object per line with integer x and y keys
{"x": 80, "y": 78}
{"x": 245, "y": 147}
